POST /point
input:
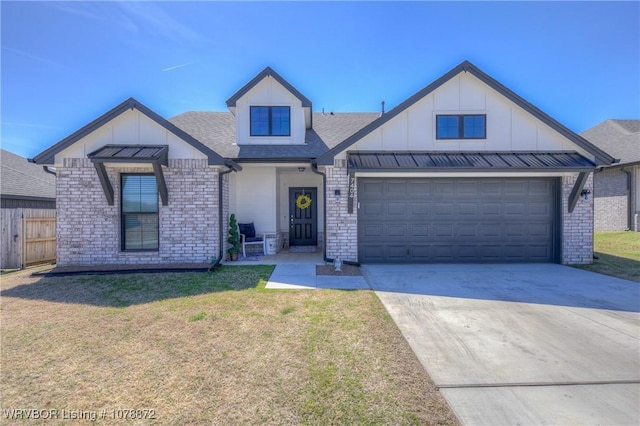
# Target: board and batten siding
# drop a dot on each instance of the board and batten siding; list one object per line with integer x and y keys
{"x": 509, "y": 127}
{"x": 252, "y": 197}
{"x": 131, "y": 127}
{"x": 269, "y": 93}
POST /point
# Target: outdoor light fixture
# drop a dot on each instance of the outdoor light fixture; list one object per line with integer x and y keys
{"x": 301, "y": 169}
{"x": 585, "y": 193}
{"x": 337, "y": 194}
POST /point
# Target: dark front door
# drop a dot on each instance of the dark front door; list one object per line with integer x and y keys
{"x": 303, "y": 217}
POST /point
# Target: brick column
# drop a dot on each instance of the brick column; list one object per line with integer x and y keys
{"x": 577, "y": 227}
{"x": 341, "y": 235}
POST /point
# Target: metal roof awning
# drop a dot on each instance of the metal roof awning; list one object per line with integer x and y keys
{"x": 156, "y": 155}
{"x": 467, "y": 161}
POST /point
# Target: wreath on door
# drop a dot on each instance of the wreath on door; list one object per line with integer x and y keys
{"x": 303, "y": 201}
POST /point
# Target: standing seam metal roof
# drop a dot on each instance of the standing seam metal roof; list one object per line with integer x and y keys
{"x": 420, "y": 161}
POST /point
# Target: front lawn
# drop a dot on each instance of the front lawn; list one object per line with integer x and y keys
{"x": 208, "y": 348}
{"x": 618, "y": 254}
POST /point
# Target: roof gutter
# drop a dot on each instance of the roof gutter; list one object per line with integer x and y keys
{"x": 47, "y": 170}
{"x": 232, "y": 167}
{"x": 272, "y": 160}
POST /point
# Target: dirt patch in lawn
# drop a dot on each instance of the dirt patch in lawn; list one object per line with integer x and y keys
{"x": 208, "y": 348}
{"x": 347, "y": 270}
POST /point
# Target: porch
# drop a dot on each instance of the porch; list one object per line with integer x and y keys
{"x": 284, "y": 201}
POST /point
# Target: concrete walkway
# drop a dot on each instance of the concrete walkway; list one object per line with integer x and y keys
{"x": 521, "y": 344}
{"x": 297, "y": 271}
{"x": 303, "y": 276}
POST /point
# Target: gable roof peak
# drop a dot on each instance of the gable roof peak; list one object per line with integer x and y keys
{"x": 48, "y": 156}
{"x": 267, "y": 72}
{"x": 600, "y": 156}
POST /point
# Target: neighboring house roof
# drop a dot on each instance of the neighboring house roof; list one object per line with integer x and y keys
{"x": 217, "y": 131}
{"x": 620, "y": 138}
{"x": 48, "y": 156}
{"x": 21, "y": 179}
{"x": 267, "y": 72}
{"x": 602, "y": 157}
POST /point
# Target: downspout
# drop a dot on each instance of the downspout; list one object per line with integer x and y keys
{"x": 232, "y": 168}
{"x": 314, "y": 169}
{"x": 630, "y": 197}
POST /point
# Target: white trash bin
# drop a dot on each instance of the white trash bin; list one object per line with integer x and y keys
{"x": 272, "y": 245}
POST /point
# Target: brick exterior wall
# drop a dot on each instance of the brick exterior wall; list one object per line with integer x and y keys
{"x": 225, "y": 217}
{"x": 577, "y": 227}
{"x": 341, "y": 235}
{"x": 611, "y": 198}
{"x": 89, "y": 230}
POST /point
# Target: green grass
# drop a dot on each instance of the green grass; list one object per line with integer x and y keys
{"x": 287, "y": 310}
{"x": 209, "y": 348}
{"x": 197, "y": 317}
{"x": 618, "y": 255}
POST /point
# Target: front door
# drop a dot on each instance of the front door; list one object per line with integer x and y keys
{"x": 303, "y": 216}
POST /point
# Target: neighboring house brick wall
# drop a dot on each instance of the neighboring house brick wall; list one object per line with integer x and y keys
{"x": 577, "y": 227}
{"x": 89, "y": 229}
{"x": 611, "y": 198}
{"x": 341, "y": 235}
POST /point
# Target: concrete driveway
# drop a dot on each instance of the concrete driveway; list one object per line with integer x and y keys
{"x": 521, "y": 344}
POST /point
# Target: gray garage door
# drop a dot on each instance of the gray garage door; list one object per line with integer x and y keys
{"x": 456, "y": 220}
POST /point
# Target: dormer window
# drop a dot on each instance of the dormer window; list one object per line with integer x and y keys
{"x": 270, "y": 121}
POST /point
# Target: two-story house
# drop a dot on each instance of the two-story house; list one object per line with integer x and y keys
{"x": 465, "y": 170}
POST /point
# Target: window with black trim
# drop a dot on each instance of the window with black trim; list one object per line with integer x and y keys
{"x": 139, "y": 212}
{"x": 461, "y": 126}
{"x": 270, "y": 121}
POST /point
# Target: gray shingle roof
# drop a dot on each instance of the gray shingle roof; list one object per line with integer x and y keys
{"x": 620, "y": 138}
{"x": 216, "y": 130}
{"x": 19, "y": 178}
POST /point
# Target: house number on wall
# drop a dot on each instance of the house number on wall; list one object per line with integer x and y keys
{"x": 352, "y": 193}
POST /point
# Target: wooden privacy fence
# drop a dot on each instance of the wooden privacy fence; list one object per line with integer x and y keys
{"x": 28, "y": 237}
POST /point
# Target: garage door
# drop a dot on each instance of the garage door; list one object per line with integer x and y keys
{"x": 456, "y": 220}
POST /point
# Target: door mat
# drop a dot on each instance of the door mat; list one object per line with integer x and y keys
{"x": 302, "y": 249}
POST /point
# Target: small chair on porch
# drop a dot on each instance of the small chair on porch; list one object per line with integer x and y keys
{"x": 248, "y": 236}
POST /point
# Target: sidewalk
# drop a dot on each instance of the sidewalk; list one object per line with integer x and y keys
{"x": 296, "y": 276}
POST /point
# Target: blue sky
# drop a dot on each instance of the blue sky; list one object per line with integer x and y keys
{"x": 64, "y": 64}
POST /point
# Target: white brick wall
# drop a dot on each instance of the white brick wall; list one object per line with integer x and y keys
{"x": 341, "y": 235}
{"x": 89, "y": 229}
{"x": 577, "y": 227}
